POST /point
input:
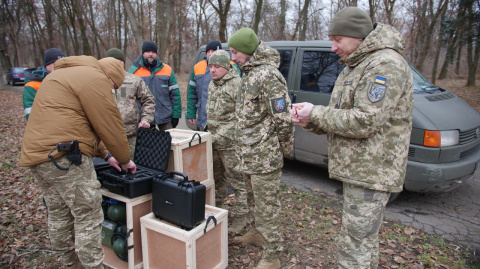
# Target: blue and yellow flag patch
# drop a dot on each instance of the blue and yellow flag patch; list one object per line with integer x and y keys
{"x": 380, "y": 80}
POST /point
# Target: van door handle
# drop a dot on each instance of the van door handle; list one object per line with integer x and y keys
{"x": 294, "y": 98}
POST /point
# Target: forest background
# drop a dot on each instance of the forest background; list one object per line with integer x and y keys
{"x": 442, "y": 36}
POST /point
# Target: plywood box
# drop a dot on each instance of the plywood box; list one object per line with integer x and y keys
{"x": 167, "y": 246}
{"x": 191, "y": 154}
{"x": 136, "y": 208}
{"x": 209, "y": 192}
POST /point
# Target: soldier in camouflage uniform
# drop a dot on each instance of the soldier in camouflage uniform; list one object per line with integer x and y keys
{"x": 220, "y": 109}
{"x": 264, "y": 135}
{"x": 368, "y": 124}
{"x": 132, "y": 91}
{"x": 77, "y": 105}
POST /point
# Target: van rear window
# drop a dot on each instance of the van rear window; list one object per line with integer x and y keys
{"x": 320, "y": 69}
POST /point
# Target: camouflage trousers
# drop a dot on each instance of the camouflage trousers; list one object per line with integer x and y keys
{"x": 225, "y": 176}
{"x": 74, "y": 210}
{"x": 266, "y": 211}
{"x": 131, "y": 145}
{"x": 362, "y": 216}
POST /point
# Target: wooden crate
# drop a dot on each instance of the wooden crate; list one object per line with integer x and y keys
{"x": 167, "y": 246}
{"x": 193, "y": 158}
{"x": 136, "y": 208}
{"x": 210, "y": 192}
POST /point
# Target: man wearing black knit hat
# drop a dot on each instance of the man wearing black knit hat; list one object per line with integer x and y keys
{"x": 161, "y": 81}
{"x": 35, "y": 76}
{"x": 197, "y": 91}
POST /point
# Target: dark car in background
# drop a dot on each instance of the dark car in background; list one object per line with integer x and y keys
{"x": 444, "y": 146}
{"x": 16, "y": 75}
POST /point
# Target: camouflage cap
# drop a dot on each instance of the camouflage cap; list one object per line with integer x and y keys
{"x": 221, "y": 58}
{"x": 351, "y": 22}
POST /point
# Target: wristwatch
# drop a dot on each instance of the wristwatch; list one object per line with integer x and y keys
{"x": 108, "y": 157}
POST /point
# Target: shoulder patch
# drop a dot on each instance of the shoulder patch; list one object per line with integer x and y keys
{"x": 376, "y": 92}
{"x": 278, "y": 105}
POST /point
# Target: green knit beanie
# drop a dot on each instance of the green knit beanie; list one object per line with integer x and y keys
{"x": 244, "y": 40}
{"x": 351, "y": 22}
{"x": 221, "y": 58}
{"x": 116, "y": 53}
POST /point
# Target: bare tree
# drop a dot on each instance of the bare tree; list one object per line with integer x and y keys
{"x": 258, "y": 15}
{"x": 222, "y": 10}
{"x": 473, "y": 38}
{"x": 428, "y": 18}
{"x": 373, "y": 4}
{"x": 301, "y": 24}
{"x": 13, "y": 14}
{"x": 453, "y": 33}
{"x": 97, "y": 37}
{"x": 389, "y": 4}
{"x": 283, "y": 12}
{"x": 439, "y": 46}
{"x": 137, "y": 35}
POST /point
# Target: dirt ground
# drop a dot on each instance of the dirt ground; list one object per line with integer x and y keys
{"x": 310, "y": 221}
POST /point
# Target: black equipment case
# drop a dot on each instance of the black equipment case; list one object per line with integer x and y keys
{"x": 178, "y": 200}
{"x": 152, "y": 150}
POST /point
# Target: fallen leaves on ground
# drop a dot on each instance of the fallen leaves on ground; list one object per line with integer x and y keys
{"x": 310, "y": 221}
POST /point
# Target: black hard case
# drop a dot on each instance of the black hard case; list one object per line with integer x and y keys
{"x": 178, "y": 200}
{"x": 152, "y": 150}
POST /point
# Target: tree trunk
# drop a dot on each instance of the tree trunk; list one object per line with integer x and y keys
{"x": 459, "y": 57}
{"x": 47, "y": 6}
{"x": 373, "y": 4}
{"x": 282, "y": 21}
{"x": 452, "y": 39}
{"x": 439, "y": 48}
{"x": 303, "y": 30}
{"x": 258, "y": 15}
{"x": 137, "y": 34}
{"x": 472, "y": 55}
{"x": 77, "y": 9}
{"x": 389, "y": 4}
{"x": 429, "y": 31}
{"x": 222, "y": 12}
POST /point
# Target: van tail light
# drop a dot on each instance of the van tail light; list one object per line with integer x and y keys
{"x": 436, "y": 139}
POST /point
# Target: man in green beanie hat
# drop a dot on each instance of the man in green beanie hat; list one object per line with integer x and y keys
{"x": 221, "y": 121}
{"x": 132, "y": 93}
{"x": 264, "y": 136}
{"x": 368, "y": 124}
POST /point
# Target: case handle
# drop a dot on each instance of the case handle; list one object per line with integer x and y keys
{"x": 193, "y": 137}
{"x": 185, "y": 177}
{"x": 112, "y": 186}
{"x": 208, "y": 220}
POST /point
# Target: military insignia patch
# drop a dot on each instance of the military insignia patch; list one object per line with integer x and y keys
{"x": 376, "y": 92}
{"x": 278, "y": 105}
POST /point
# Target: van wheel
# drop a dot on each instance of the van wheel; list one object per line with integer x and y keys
{"x": 393, "y": 196}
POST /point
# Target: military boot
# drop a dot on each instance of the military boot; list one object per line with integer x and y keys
{"x": 76, "y": 265}
{"x": 264, "y": 264}
{"x": 250, "y": 238}
{"x": 238, "y": 224}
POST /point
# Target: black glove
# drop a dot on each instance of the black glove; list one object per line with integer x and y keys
{"x": 174, "y": 122}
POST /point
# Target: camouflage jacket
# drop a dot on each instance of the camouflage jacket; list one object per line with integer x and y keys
{"x": 369, "y": 118}
{"x": 264, "y": 129}
{"x": 221, "y": 119}
{"x": 134, "y": 89}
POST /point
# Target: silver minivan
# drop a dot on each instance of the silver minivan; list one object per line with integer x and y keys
{"x": 445, "y": 142}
